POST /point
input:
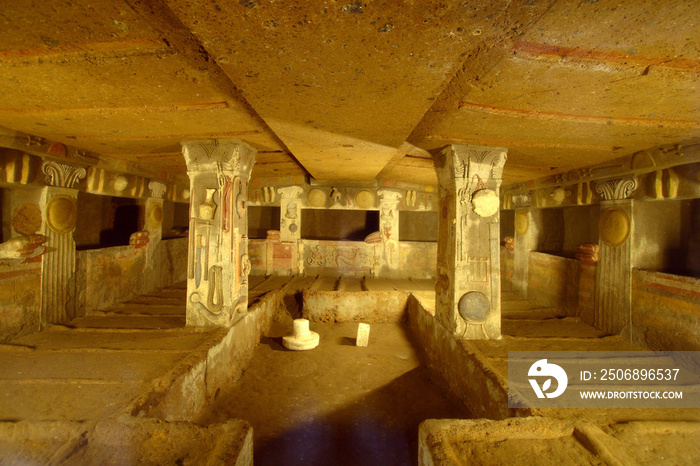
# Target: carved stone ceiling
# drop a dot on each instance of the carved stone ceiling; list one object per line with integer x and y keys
{"x": 353, "y": 90}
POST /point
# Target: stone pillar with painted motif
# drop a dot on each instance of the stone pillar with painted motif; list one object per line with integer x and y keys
{"x": 613, "y": 290}
{"x": 154, "y": 219}
{"x": 389, "y": 228}
{"x": 525, "y": 240}
{"x": 60, "y": 211}
{"x": 218, "y": 264}
{"x": 287, "y": 251}
{"x": 468, "y": 289}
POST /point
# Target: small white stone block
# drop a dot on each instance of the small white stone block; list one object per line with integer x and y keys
{"x": 362, "y": 335}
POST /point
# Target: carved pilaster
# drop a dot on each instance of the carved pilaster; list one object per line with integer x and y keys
{"x": 60, "y": 213}
{"x": 389, "y": 225}
{"x": 218, "y": 267}
{"x": 154, "y": 219}
{"x": 290, "y": 213}
{"x": 468, "y": 299}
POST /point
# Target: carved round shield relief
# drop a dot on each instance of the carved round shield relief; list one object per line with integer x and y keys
{"x": 474, "y": 307}
{"x": 521, "y": 223}
{"x": 316, "y": 197}
{"x": 364, "y": 199}
{"x": 614, "y": 226}
{"x": 155, "y": 216}
{"x": 61, "y": 214}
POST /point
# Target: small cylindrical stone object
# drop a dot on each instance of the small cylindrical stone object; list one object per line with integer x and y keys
{"x": 300, "y": 327}
{"x": 302, "y": 338}
{"x": 362, "y": 335}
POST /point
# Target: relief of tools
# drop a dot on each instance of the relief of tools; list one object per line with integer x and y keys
{"x": 206, "y": 213}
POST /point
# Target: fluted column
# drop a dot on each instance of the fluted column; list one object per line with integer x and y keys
{"x": 525, "y": 239}
{"x": 468, "y": 289}
{"x": 154, "y": 219}
{"x": 218, "y": 265}
{"x": 60, "y": 212}
{"x": 613, "y": 290}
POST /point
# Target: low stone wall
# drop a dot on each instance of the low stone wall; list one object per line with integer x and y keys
{"x": 362, "y": 306}
{"x": 185, "y": 391}
{"x": 562, "y": 283}
{"x": 469, "y": 374}
{"x": 20, "y": 299}
{"x": 113, "y": 275}
{"x": 665, "y": 311}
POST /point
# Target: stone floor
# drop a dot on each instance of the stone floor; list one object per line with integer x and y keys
{"x": 337, "y": 404}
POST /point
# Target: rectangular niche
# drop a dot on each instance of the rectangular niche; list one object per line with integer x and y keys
{"x": 261, "y": 219}
{"x": 338, "y": 225}
{"x": 418, "y": 226}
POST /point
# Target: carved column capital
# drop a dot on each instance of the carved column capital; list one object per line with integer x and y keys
{"x": 157, "y": 189}
{"x": 522, "y": 200}
{"x": 617, "y": 189}
{"x": 389, "y": 196}
{"x": 290, "y": 192}
{"x": 458, "y": 164}
{"x": 61, "y": 175}
{"x": 221, "y": 155}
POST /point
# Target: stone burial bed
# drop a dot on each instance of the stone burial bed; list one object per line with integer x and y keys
{"x": 132, "y": 441}
{"x": 544, "y": 441}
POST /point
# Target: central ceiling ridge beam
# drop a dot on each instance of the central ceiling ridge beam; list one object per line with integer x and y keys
{"x": 589, "y": 119}
{"x": 162, "y": 18}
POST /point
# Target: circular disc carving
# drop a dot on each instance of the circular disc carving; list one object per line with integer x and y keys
{"x": 521, "y": 223}
{"x": 614, "y": 226}
{"x": 364, "y": 199}
{"x": 474, "y": 307}
{"x": 317, "y": 197}
{"x": 485, "y": 202}
{"x": 61, "y": 214}
{"x": 155, "y": 215}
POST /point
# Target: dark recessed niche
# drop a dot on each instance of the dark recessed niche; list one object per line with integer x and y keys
{"x": 262, "y": 219}
{"x": 337, "y": 225}
{"x": 418, "y": 226}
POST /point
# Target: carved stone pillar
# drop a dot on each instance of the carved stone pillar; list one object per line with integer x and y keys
{"x": 613, "y": 290}
{"x": 525, "y": 240}
{"x": 468, "y": 289}
{"x": 287, "y": 252}
{"x": 389, "y": 227}
{"x": 60, "y": 211}
{"x": 154, "y": 219}
{"x": 218, "y": 265}
{"x": 290, "y": 213}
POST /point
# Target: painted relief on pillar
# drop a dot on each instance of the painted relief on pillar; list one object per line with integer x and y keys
{"x": 389, "y": 224}
{"x": 218, "y": 265}
{"x": 468, "y": 240}
{"x": 290, "y": 221}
